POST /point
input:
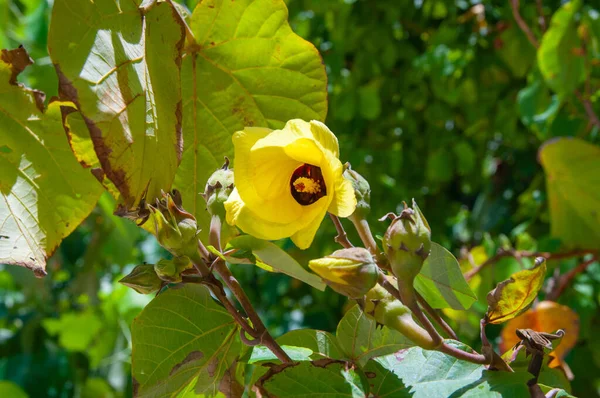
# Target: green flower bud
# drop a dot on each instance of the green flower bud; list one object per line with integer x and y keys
{"x": 407, "y": 243}
{"x": 362, "y": 191}
{"x": 175, "y": 228}
{"x": 351, "y": 272}
{"x": 217, "y": 190}
{"x": 170, "y": 270}
{"x": 142, "y": 279}
{"x": 381, "y": 306}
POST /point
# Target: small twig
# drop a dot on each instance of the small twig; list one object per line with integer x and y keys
{"x": 522, "y": 24}
{"x": 589, "y": 109}
{"x": 525, "y": 253}
{"x": 342, "y": 237}
{"x": 540, "y": 10}
{"x": 565, "y": 279}
{"x": 436, "y": 317}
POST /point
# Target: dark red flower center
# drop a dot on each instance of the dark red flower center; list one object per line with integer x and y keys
{"x": 307, "y": 184}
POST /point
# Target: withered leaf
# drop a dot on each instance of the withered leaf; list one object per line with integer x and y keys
{"x": 514, "y": 295}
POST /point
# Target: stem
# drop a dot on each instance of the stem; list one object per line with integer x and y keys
{"x": 258, "y": 330}
{"x": 265, "y": 337}
{"x": 214, "y": 234}
{"x": 524, "y": 253}
{"x": 436, "y": 317}
{"x": 342, "y": 237}
{"x": 540, "y": 10}
{"x": 364, "y": 231}
{"x": 522, "y": 24}
{"x": 440, "y": 344}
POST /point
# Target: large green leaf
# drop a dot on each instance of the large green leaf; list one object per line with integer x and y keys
{"x": 442, "y": 283}
{"x": 182, "y": 341}
{"x": 275, "y": 257}
{"x": 420, "y": 373}
{"x": 120, "y": 63}
{"x": 12, "y": 390}
{"x": 45, "y": 193}
{"x": 572, "y": 169}
{"x": 322, "y": 378}
{"x": 248, "y": 68}
{"x": 561, "y": 65}
{"x": 362, "y": 339}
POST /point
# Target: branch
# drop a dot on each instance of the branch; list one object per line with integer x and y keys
{"x": 342, "y": 237}
{"x": 542, "y": 17}
{"x": 522, "y": 24}
{"x": 441, "y": 345}
{"x": 436, "y": 317}
{"x": 565, "y": 279}
{"x": 589, "y": 109}
{"x": 525, "y": 253}
{"x": 265, "y": 337}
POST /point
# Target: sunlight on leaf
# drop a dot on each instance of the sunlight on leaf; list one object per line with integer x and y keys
{"x": 248, "y": 69}
{"x": 572, "y": 169}
{"x": 45, "y": 194}
{"x": 513, "y": 296}
{"x": 121, "y": 66}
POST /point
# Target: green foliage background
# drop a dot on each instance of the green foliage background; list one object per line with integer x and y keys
{"x": 429, "y": 100}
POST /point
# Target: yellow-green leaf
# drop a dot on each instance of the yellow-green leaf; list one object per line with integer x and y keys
{"x": 248, "y": 69}
{"x": 120, "y": 64}
{"x": 514, "y": 295}
{"x": 44, "y": 192}
{"x": 572, "y": 169}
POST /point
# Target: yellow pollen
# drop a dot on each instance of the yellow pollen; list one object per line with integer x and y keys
{"x": 308, "y": 185}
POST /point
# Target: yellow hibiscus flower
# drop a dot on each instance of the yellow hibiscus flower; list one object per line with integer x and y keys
{"x": 286, "y": 181}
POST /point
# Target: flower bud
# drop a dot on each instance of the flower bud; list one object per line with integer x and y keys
{"x": 351, "y": 272}
{"x": 142, "y": 279}
{"x": 217, "y": 190}
{"x": 407, "y": 243}
{"x": 362, "y": 191}
{"x": 170, "y": 270}
{"x": 381, "y": 306}
{"x": 175, "y": 228}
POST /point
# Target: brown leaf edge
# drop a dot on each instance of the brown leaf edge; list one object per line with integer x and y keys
{"x": 67, "y": 92}
{"x": 17, "y": 60}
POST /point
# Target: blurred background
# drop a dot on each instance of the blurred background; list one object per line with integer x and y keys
{"x": 437, "y": 100}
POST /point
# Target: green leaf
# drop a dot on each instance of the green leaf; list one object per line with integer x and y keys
{"x": 515, "y": 50}
{"x": 420, "y": 373}
{"x": 322, "y": 378}
{"x": 561, "y": 65}
{"x": 537, "y": 108}
{"x": 361, "y": 339}
{"x": 12, "y": 390}
{"x": 277, "y": 258}
{"x": 514, "y": 295}
{"x": 247, "y": 69}
{"x": 182, "y": 340}
{"x": 572, "y": 169}
{"x": 76, "y": 331}
{"x": 45, "y": 193}
{"x": 442, "y": 283}
{"x": 121, "y": 65}
{"x": 323, "y": 344}
{"x": 261, "y": 353}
